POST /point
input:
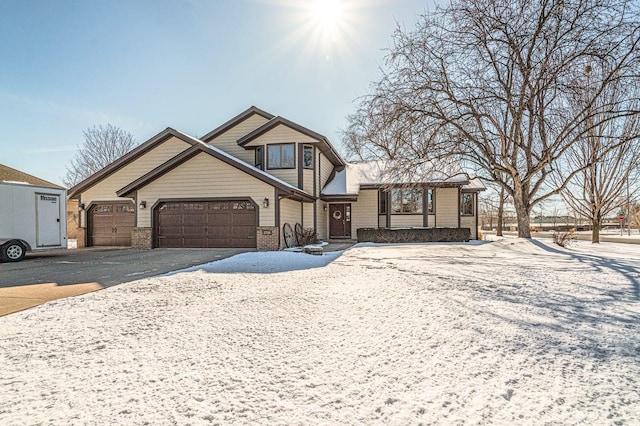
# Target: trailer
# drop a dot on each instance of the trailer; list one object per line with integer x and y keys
{"x": 32, "y": 217}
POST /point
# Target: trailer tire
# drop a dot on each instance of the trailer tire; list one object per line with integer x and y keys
{"x": 13, "y": 251}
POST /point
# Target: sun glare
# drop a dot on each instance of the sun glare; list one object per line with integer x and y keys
{"x": 327, "y": 13}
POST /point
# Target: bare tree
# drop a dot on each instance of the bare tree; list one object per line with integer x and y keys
{"x": 489, "y": 82}
{"x": 607, "y": 157}
{"x": 102, "y": 146}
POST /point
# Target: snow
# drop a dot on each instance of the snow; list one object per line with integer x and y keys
{"x": 353, "y": 176}
{"x": 497, "y": 332}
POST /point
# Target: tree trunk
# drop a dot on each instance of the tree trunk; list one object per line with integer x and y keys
{"x": 596, "y": 222}
{"x": 500, "y": 213}
{"x": 521, "y": 203}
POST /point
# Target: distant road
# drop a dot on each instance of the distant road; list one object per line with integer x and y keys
{"x": 586, "y": 236}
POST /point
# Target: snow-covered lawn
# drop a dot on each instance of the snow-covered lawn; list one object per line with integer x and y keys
{"x": 509, "y": 332}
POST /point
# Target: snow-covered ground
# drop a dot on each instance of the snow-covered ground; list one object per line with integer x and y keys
{"x": 508, "y": 332}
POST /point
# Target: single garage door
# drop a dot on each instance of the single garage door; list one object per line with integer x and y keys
{"x": 227, "y": 223}
{"x": 110, "y": 224}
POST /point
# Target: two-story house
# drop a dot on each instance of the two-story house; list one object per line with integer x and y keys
{"x": 240, "y": 183}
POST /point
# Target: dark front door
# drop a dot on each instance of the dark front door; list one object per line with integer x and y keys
{"x": 339, "y": 220}
{"x": 196, "y": 224}
{"x": 111, "y": 224}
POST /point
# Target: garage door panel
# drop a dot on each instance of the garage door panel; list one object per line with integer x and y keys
{"x": 243, "y": 232}
{"x": 219, "y": 231}
{"x": 111, "y": 224}
{"x": 194, "y": 242}
{"x": 171, "y": 219}
{"x": 244, "y": 220}
{"x": 217, "y": 223}
{"x": 193, "y": 230}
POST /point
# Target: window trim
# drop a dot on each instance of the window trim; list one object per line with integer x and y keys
{"x": 280, "y": 145}
{"x": 433, "y": 201}
{"x": 472, "y": 204}
{"x": 259, "y": 155}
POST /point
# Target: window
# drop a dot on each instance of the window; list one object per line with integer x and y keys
{"x": 431, "y": 207}
{"x": 260, "y": 157}
{"x": 466, "y": 204}
{"x": 406, "y": 201}
{"x": 382, "y": 201}
{"x": 307, "y": 157}
{"x": 281, "y": 156}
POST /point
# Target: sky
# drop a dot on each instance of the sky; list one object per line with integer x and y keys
{"x": 187, "y": 64}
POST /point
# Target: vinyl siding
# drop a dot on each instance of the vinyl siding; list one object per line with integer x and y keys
{"x": 106, "y": 189}
{"x": 291, "y": 213}
{"x": 204, "y": 176}
{"x": 281, "y": 134}
{"x": 446, "y": 208}
{"x": 364, "y": 212}
{"x": 323, "y": 221}
{"x": 326, "y": 167}
{"x": 470, "y": 222}
{"x": 307, "y": 216}
{"x": 406, "y": 220}
{"x": 228, "y": 141}
{"x": 307, "y": 180}
{"x": 288, "y": 175}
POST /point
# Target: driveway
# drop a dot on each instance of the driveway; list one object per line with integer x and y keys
{"x": 50, "y": 275}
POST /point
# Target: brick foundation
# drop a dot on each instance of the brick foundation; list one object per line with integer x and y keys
{"x": 74, "y": 231}
{"x": 268, "y": 238}
{"x": 141, "y": 238}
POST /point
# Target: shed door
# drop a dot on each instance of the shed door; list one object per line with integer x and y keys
{"x": 111, "y": 224}
{"x": 48, "y": 231}
{"x": 224, "y": 223}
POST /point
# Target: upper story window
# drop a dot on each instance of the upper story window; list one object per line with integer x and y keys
{"x": 307, "y": 157}
{"x": 281, "y": 156}
{"x": 466, "y": 204}
{"x": 406, "y": 201}
{"x": 260, "y": 157}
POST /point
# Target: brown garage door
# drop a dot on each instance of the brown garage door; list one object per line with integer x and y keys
{"x": 110, "y": 224}
{"x": 205, "y": 224}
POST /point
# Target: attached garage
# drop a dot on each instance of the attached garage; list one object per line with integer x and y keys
{"x": 205, "y": 223}
{"x": 110, "y": 224}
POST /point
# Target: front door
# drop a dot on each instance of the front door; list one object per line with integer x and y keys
{"x": 339, "y": 220}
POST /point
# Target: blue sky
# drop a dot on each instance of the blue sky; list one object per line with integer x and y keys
{"x": 186, "y": 64}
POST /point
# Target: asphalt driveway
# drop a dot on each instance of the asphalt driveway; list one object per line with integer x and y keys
{"x": 50, "y": 275}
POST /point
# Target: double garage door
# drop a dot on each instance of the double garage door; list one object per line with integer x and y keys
{"x": 225, "y": 223}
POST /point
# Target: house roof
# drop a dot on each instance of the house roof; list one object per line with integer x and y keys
{"x": 375, "y": 174}
{"x": 200, "y": 147}
{"x": 474, "y": 185}
{"x": 326, "y": 147}
{"x": 235, "y": 121}
{"x": 130, "y": 157}
{"x": 11, "y": 175}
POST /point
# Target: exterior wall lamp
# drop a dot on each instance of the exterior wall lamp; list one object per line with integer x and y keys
{"x": 265, "y": 202}
{"x": 143, "y": 204}
{"x": 81, "y": 206}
